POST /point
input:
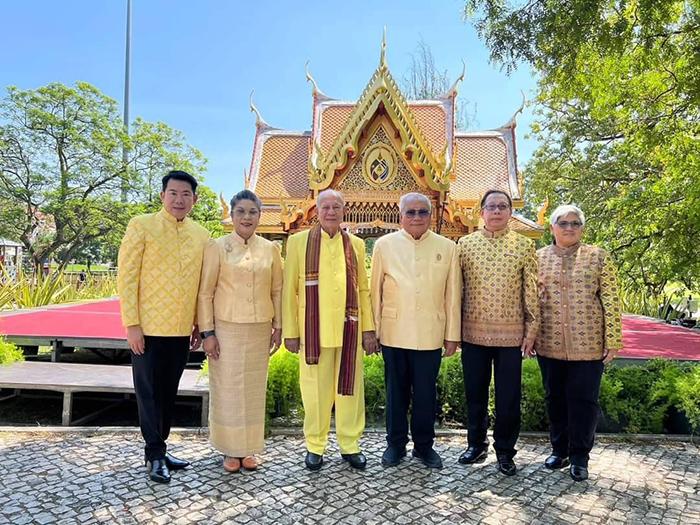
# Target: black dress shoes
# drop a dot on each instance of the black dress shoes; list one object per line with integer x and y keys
{"x": 175, "y": 463}
{"x": 555, "y": 462}
{"x": 158, "y": 471}
{"x": 313, "y": 461}
{"x": 428, "y": 457}
{"x": 506, "y": 465}
{"x": 578, "y": 473}
{"x": 473, "y": 455}
{"x": 357, "y": 460}
{"x": 392, "y": 456}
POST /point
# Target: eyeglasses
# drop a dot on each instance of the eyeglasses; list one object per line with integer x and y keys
{"x": 569, "y": 224}
{"x": 417, "y": 213}
{"x": 499, "y": 207}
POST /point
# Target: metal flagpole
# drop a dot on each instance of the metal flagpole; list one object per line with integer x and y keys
{"x": 127, "y": 68}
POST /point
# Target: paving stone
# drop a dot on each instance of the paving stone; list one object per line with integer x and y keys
{"x": 98, "y": 478}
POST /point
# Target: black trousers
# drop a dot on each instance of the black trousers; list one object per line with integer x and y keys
{"x": 571, "y": 392}
{"x": 477, "y": 365}
{"x": 157, "y": 374}
{"x": 410, "y": 377}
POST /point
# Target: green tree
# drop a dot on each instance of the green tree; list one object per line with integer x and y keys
{"x": 618, "y": 118}
{"x": 61, "y": 169}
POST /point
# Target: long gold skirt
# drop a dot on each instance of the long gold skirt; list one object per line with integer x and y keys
{"x": 237, "y": 387}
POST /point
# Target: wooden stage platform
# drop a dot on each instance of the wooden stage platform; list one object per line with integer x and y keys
{"x": 71, "y": 378}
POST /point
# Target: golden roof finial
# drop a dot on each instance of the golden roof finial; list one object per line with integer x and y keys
{"x": 309, "y": 78}
{"x": 453, "y": 89}
{"x": 224, "y": 206}
{"x": 541, "y": 212}
{"x": 511, "y": 122}
{"x": 382, "y": 55}
{"x": 259, "y": 121}
{"x": 246, "y": 179}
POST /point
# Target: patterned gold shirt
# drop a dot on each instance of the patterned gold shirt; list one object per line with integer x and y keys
{"x": 160, "y": 261}
{"x": 579, "y": 303}
{"x": 499, "y": 300}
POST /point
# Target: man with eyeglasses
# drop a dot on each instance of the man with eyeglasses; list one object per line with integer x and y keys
{"x": 500, "y": 319}
{"x": 326, "y": 314}
{"x": 416, "y": 293}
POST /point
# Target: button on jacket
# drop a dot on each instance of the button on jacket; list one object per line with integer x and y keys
{"x": 416, "y": 289}
{"x": 499, "y": 302}
{"x": 241, "y": 282}
{"x": 160, "y": 260}
{"x": 331, "y": 289}
{"x": 579, "y": 303}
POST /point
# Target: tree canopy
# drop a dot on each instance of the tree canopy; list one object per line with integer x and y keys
{"x": 62, "y": 173}
{"x": 618, "y": 120}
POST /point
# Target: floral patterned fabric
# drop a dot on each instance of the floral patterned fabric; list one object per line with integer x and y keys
{"x": 579, "y": 303}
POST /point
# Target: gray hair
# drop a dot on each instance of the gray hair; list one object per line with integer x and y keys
{"x": 403, "y": 201}
{"x": 329, "y": 193}
{"x": 565, "y": 209}
{"x": 246, "y": 195}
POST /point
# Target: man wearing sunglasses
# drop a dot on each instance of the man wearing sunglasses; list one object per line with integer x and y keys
{"x": 416, "y": 294}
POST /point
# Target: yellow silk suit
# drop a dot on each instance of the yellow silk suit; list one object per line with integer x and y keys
{"x": 319, "y": 383}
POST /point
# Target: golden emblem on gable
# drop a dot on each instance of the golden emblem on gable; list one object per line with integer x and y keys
{"x": 379, "y": 167}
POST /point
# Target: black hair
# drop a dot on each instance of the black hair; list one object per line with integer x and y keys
{"x": 246, "y": 195}
{"x": 491, "y": 192}
{"x": 180, "y": 175}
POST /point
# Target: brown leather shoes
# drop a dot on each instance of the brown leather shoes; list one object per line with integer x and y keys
{"x": 232, "y": 464}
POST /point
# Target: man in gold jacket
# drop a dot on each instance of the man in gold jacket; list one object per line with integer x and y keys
{"x": 416, "y": 291}
{"x": 160, "y": 261}
{"x": 326, "y": 313}
{"x": 500, "y": 319}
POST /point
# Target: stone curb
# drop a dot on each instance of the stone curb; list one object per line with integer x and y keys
{"x": 296, "y": 431}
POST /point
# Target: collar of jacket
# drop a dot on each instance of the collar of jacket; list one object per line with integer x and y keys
{"x": 409, "y": 236}
{"x": 240, "y": 240}
{"x": 495, "y": 235}
{"x": 564, "y": 252}
{"x": 163, "y": 214}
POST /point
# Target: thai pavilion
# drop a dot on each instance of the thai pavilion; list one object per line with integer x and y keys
{"x": 373, "y": 151}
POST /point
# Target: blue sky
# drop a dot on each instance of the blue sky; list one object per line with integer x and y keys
{"x": 194, "y": 64}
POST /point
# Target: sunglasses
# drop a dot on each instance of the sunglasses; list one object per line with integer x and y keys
{"x": 570, "y": 224}
{"x": 417, "y": 213}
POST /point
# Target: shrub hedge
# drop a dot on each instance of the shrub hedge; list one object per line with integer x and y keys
{"x": 658, "y": 396}
{"x": 9, "y": 353}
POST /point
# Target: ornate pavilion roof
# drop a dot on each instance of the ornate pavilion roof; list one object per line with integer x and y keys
{"x": 454, "y": 168}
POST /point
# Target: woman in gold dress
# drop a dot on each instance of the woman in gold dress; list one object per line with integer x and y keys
{"x": 238, "y": 312}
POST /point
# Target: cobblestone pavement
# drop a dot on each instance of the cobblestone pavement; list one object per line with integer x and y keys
{"x": 98, "y": 478}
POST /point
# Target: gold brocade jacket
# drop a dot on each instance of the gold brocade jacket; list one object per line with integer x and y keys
{"x": 499, "y": 299}
{"x": 331, "y": 289}
{"x": 416, "y": 291}
{"x": 579, "y": 303}
{"x": 160, "y": 260}
{"x": 241, "y": 282}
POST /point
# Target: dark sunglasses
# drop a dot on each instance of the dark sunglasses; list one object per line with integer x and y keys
{"x": 420, "y": 213}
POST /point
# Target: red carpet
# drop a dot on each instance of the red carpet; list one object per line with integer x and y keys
{"x": 644, "y": 338}
{"x": 94, "y": 319}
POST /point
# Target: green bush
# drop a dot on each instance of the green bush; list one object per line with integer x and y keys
{"x": 688, "y": 389}
{"x": 9, "y": 353}
{"x": 655, "y": 397}
{"x": 375, "y": 392}
{"x": 283, "y": 394}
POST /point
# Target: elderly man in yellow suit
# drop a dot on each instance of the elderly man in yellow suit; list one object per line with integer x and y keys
{"x": 326, "y": 314}
{"x": 416, "y": 291}
{"x": 160, "y": 261}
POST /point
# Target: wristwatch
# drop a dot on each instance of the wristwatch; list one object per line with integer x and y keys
{"x": 206, "y": 333}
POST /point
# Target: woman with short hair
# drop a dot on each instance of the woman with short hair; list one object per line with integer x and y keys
{"x": 239, "y": 315}
{"x": 580, "y": 331}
